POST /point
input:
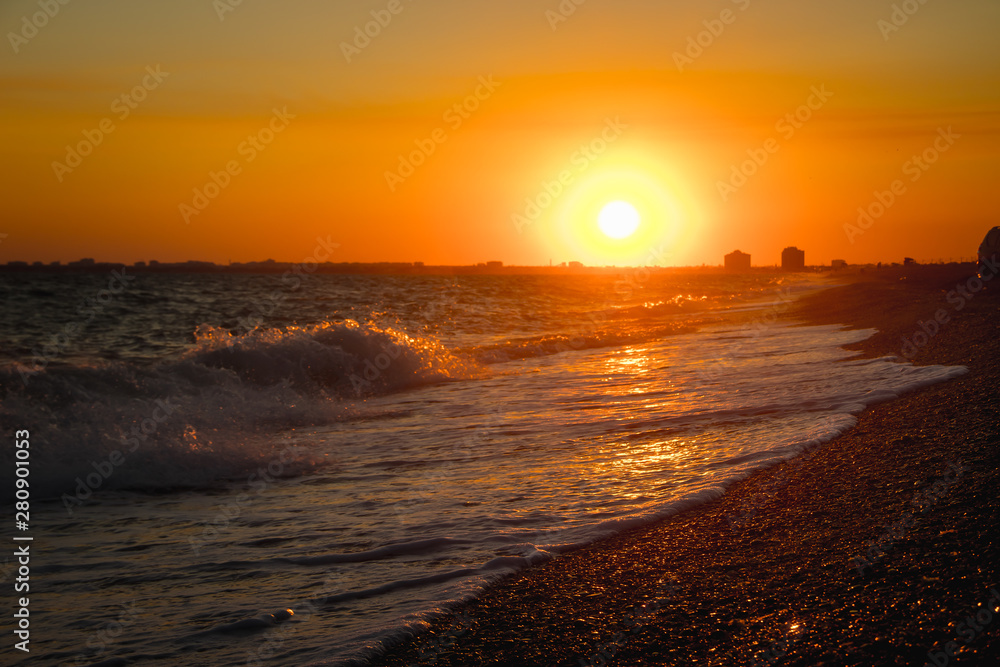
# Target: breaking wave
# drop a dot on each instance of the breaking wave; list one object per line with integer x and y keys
{"x": 211, "y": 413}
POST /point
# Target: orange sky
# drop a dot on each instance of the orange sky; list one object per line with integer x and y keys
{"x": 560, "y": 117}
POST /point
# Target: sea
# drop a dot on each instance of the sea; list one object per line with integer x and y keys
{"x": 233, "y": 469}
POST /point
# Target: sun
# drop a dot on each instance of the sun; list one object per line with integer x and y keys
{"x": 618, "y": 219}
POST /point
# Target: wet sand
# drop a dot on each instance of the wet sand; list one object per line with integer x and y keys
{"x": 879, "y": 548}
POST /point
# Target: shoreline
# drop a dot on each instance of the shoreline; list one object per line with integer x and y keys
{"x": 868, "y": 549}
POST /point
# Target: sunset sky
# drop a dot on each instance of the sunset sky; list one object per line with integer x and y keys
{"x": 312, "y": 129}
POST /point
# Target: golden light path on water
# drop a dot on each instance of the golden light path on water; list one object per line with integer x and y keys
{"x": 421, "y": 494}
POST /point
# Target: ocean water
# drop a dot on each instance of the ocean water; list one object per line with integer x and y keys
{"x": 234, "y": 469}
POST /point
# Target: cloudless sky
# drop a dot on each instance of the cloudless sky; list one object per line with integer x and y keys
{"x": 508, "y": 178}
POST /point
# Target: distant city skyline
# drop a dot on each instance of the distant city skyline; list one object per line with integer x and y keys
{"x": 272, "y": 265}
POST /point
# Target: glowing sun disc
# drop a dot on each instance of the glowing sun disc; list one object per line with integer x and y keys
{"x": 618, "y": 219}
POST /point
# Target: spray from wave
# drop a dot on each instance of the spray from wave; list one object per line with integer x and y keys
{"x": 212, "y": 413}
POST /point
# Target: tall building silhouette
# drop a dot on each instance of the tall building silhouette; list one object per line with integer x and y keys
{"x": 793, "y": 259}
{"x": 737, "y": 261}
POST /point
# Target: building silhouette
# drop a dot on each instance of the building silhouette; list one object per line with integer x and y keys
{"x": 737, "y": 261}
{"x": 793, "y": 259}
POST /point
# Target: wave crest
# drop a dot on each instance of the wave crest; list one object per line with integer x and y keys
{"x": 212, "y": 413}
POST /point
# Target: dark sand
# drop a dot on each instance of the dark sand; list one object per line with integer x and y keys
{"x": 768, "y": 574}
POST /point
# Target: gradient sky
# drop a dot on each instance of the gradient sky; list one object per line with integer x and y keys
{"x": 608, "y": 68}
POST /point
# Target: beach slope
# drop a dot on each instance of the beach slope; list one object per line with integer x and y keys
{"x": 879, "y": 548}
